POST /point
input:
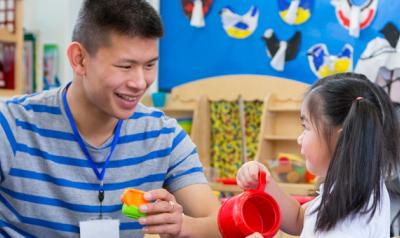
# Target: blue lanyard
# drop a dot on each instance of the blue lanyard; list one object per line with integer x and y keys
{"x": 99, "y": 175}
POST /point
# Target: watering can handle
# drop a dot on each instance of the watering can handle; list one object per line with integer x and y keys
{"x": 262, "y": 181}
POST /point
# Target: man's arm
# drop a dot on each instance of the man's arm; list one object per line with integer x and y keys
{"x": 200, "y": 207}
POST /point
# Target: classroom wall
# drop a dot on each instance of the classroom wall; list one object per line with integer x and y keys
{"x": 189, "y": 53}
{"x": 54, "y": 21}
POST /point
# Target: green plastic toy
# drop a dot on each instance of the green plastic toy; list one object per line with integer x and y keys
{"x": 133, "y": 199}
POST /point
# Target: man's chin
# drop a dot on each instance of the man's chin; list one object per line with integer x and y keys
{"x": 125, "y": 115}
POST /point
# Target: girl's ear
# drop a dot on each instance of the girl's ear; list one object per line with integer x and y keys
{"x": 76, "y": 56}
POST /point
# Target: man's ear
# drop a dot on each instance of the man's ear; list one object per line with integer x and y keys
{"x": 76, "y": 56}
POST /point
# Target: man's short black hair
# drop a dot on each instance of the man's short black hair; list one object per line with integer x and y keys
{"x": 99, "y": 18}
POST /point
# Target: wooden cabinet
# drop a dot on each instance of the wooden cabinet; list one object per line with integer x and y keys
{"x": 280, "y": 123}
{"x": 291, "y": 188}
{"x": 11, "y": 47}
{"x": 280, "y": 127}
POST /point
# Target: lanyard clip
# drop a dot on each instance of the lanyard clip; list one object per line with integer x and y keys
{"x": 101, "y": 192}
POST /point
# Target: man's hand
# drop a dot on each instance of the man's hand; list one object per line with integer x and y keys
{"x": 164, "y": 215}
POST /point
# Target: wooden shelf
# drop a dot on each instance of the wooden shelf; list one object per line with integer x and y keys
{"x": 288, "y": 109}
{"x": 291, "y": 188}
{"x": 294, "y": 109}
{"x": 225, "y": 187}
{"x": 298, "y": 188}
{"x": 17, "y": 39}
{"x": 178, "y": 112}
{"x": 172, "y": 109}
{"x": 280, "y": 122}
{"x": 6, "y": 36}
{"x": 278, "y": 137}
{"x": 289, "y": 103}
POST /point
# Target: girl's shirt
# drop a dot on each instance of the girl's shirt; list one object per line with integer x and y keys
{"x": 352, "y": 226}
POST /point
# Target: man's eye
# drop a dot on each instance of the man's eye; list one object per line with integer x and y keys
{"x": 123, "y": 66}
{"x": 149, "y": 66}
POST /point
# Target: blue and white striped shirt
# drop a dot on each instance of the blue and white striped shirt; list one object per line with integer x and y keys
{"x": 47, "y": 184}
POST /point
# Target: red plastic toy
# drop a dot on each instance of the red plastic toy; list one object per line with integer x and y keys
{"x": 249, "y": 212}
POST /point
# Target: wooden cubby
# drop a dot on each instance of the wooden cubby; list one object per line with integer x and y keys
{"x": 280, "y": 123}
{"x": 14, "y": 35}
{"x": 280, "y": 128}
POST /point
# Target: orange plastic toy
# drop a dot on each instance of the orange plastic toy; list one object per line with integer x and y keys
{"x": 133, "y": 199}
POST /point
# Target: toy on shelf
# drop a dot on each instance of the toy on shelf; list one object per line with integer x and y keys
{"x": 186, "y": 124}
{"x": 289, "y": 168}
{"x": 228, "y": 181}
{"x": 309, "y": 177}
{"x": 159, "y": 99}
{"x": 133, "y": 199}
{"x": 51, "y": 66}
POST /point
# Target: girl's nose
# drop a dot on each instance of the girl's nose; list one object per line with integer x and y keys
{"x": 300, "y": 138}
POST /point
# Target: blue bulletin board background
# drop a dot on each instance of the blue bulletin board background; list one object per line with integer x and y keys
{"x": 188, "y": 53}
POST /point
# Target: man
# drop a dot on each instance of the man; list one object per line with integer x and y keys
{"x": 68, "y": 154}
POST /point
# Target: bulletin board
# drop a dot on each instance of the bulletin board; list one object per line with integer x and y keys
{"x": 189, "y": 53}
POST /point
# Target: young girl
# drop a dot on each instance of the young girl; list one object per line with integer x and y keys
{"x": 350, "y": 139}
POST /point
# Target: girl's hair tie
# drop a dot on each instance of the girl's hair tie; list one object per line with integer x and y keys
{"x": 359, "y": 98}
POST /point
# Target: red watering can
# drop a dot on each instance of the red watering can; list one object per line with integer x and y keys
{"x": 249, "y": 212}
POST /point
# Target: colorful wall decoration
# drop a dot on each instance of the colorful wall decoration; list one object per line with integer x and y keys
{"x": 189, "y": 53}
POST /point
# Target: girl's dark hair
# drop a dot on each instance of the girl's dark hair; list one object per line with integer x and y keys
{"x": 97, "y": 19}
{"x": 367, "y": 148}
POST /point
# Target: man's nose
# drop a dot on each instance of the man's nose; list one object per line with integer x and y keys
{"x": 137, "y": 79}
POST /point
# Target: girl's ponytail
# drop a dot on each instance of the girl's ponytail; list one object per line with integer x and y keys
{"x": 355, "y": 168}
{"x": 366, "y": 150}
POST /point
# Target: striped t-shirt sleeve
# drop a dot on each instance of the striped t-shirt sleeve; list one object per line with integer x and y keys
{"x": 8, "y": 142}
{"x": 184, "y": 165}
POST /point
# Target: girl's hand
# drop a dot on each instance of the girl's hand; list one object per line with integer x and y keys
{"x": 255, "y": 235}
{"x": 164, "y": 215}
{"x": 247, "y": 176}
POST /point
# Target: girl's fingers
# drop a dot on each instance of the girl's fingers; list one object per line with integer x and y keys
{"x": 247, "y": 176}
